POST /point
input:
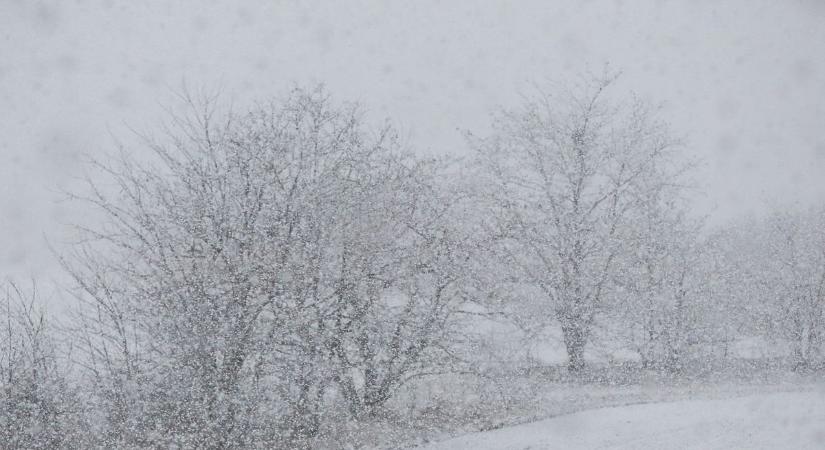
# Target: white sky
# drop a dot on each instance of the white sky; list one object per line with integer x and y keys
{"x": 744, "y": 80}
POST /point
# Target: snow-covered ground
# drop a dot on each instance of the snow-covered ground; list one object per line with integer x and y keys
{"x": 787, "y": 420}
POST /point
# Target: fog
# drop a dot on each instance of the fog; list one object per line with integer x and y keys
{"x": 741, "y": 80}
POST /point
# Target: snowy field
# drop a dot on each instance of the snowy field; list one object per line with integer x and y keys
{"x": 787, "y": 420}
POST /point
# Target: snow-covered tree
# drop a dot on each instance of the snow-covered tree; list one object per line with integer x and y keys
{"x": 794, "y": 272}
{"x": 253, "y": 268}
{"x": 562, "y": 177}
{"x": 659, "y": 291}
{"x": 766, "y": 276}
{"x": 39, "y": 408}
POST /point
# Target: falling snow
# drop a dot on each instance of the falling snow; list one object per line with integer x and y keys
{"x": 561, "y": 225}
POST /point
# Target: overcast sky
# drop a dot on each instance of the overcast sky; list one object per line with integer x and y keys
{"x": 743, "y": 80}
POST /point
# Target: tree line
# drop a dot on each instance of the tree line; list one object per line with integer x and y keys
{"x": 254, "y": 275}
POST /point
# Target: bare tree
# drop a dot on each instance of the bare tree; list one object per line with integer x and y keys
{"x": 769, "y": 274}
{"x": 659, "y": 289}
{"x": 39, "y": 409}
{"x": 563, "y": 176}
{"x": 794, "y": 266}
{"x": 401, "y": 262}
{"x": 253, "y": 267}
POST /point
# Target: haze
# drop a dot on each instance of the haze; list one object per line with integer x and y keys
{"x": 744, "y": 81}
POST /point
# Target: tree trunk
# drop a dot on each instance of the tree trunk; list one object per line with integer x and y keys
{"x": 673, "y": 362}
{"x": 306, "y": 419}
{"x": 799, "y": 361}
{"x": 574, "y": 342}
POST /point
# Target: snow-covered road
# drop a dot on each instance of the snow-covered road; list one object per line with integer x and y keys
{"x": 771, "y": 421}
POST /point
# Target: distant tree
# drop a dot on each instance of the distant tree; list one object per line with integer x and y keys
{"x": 794, "y": 266}
{"x": 729, "y": 284}
{"x": 770, "y": 272}
{"x": 562, "y": 177}
{"x": 39, "y": 409}
{"x": 660, "y": 286}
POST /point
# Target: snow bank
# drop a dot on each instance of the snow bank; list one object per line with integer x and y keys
{"x": 768, "y": 421}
